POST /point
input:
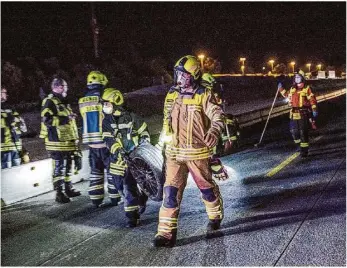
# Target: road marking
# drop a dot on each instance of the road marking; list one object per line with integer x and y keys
{"x": 287, "y": 161}
{"x": 282, "y": 165}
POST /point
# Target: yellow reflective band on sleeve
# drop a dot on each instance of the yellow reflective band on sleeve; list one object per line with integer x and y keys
{"x": 142, "y": 128}
{"x": 46, "y": 110}
{"x": 297, "y": 141}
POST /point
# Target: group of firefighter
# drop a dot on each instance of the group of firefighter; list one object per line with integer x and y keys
{"x": 194, "y": 124}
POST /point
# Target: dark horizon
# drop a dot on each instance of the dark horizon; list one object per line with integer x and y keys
{"x": 285, "y": 31}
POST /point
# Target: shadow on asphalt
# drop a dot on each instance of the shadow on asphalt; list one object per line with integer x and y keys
{"x": 268, "y": 220}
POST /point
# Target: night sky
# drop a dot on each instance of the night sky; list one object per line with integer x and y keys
{"x": 308, "y": 31}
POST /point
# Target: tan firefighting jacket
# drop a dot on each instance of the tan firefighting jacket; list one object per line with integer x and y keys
{"x": 187, "y": 119}
{"x": 299, "y": 99}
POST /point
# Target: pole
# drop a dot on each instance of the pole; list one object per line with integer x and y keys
{"x": 267, "y": 121}
{"x": 95, "y": 31}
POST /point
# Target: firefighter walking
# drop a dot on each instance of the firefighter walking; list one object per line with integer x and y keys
{"x": 59, "y": 130}
{"x": 123, "y": 131}
{"x": 302, "y": 101}
{"x": 192, "y": 125}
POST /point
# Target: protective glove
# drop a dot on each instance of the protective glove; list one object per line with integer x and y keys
{"x": 279, "y": 85}
{"x": 211, "y": 139}
{"x": 315, "y": 114}
{"x": 218, "y": 171}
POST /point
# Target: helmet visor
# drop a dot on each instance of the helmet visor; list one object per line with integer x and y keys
{"x": 183, "y": 79}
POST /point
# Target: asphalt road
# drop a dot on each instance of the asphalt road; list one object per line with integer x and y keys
{"x": 295, "y": 217}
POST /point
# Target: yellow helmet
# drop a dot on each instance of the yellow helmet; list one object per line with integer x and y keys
{"x": 208, "y": 80}
{"x": 189, "y": 64}
{"x": 113, "y": 95}
{"x": 96, "y": 78}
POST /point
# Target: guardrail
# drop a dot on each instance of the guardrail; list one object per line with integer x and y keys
{"x": 32, "y": 179}
{"x": 259, "y": 115}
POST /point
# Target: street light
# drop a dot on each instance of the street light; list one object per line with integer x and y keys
{"x": 243, "y": 65}
{"x": 319, "y": 66}
{"x": 272, "y": 65}
{"x": 309, "y": 67}
{"x": 201, "y": 57}
{"x": 293, "y": 64}
{"x": 243, "y": 69}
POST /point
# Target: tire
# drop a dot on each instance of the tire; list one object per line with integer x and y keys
{"x": 146, "y": 165}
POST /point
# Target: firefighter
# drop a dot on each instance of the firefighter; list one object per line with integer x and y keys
{"x": 59, "y": 131}
{"x": 302, "y": 101}
{"x": 12, "y": 127}
{"x": 123, "y": 131}
{"x": 90, "y": 107}
{"x": 192, "y": 124}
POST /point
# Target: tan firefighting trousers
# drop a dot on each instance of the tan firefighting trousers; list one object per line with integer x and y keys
{"x": 176, "y": 180}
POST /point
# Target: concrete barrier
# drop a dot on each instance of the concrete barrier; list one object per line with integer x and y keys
{"x": 35, "y": 178}
{"x": 32, "y": 179}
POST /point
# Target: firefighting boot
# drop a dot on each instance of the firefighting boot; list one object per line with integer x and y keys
{"x": 132, "y": 223}
{"x": 70, "y": 191}
{"x": 60, "y": 197}
{"x": 213, "y": 225}
{"x": 133, "y": 218}
{"x": 162, "y": 241}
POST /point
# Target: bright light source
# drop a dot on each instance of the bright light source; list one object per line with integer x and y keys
{"x": 293, "y": 63}
{"x": 201, "y": 56}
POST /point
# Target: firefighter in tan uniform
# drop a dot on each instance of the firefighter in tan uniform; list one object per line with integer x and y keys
{"x": 302, "y": 101}
{"x": 192, "y": 125}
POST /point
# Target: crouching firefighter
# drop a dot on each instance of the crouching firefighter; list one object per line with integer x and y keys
{"x": 302, "y": 101}
{"x": 99, "y": 156}
{"x": 59, "y": 129}
{"x": 192, "y": 123}
{"x": 123, "y": 131}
